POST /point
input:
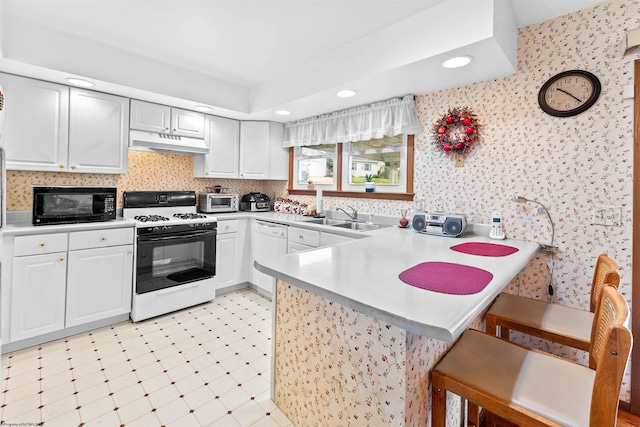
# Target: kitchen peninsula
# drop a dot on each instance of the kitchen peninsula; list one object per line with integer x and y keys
{"x": 354, "y": 344}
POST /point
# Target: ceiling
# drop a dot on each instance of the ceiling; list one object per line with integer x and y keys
{"x": 248, "y": 58}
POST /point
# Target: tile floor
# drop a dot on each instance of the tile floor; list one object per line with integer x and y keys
{"x": 208, "y": 365}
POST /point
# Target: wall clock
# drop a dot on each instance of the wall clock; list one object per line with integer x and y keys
{"x": 569, "y": 93}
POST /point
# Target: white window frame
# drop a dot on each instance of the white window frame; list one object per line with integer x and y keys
{"x": 297, "y": 156}
{"x": 401, "y": 187}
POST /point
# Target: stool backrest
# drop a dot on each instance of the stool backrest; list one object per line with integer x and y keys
{"x": 610, "y": 347}
{"x": 606, "y": 273}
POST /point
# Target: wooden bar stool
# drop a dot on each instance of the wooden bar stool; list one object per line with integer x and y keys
{"x": 553, "y": 322}
{"x": 530, "y": 388}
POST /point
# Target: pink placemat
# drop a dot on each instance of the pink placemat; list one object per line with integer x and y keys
{"x": 447, "y": 278}
{"x": 484, "y": 249}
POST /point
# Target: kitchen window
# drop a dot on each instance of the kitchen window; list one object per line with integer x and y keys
{"x": 385, "y": 159}
{"x": 315, "y": 164}
{"x": 339, "y": 169}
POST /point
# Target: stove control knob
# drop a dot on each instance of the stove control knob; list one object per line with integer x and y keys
{"x": 154, "y": 229}
{"x": 166, "y": 227}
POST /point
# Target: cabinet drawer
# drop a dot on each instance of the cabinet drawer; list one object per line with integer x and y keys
{"x": 100, "y": 238}
{"x": 41, "y": 244}
{"x": 305, "y": 237}
{"x": 225, "y": 227}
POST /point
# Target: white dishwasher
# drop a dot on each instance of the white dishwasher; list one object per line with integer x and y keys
{"x": 268, "y": 240}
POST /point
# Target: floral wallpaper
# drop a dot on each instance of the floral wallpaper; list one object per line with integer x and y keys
{"x": 337, "y": 367}
{"x": 147, "y": 171}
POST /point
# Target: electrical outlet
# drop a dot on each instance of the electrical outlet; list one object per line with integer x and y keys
{"x": 458, "y": 160}
{"x": 607, "y": 215}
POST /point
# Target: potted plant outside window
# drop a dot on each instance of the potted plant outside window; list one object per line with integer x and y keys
{"x": 369, "y": 185}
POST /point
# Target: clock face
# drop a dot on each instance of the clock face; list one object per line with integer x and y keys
{"x": 569, "y": 93}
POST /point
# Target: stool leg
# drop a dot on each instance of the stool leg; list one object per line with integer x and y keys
{"x": 491, "y": 326}
{"x": 438, "y": 400}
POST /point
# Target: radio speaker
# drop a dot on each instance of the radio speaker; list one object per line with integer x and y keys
{"x": 419, "y": 222}
{"x": 452, "y": 226}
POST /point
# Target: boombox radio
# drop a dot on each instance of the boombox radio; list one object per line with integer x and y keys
{"x": 439, "y": 224}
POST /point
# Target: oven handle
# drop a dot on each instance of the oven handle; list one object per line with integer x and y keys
{"x": 178, "y": 237}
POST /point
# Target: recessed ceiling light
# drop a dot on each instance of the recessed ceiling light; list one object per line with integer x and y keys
{"x": 458, "y": 61}
{"x": 347, "y": 93}
{"x": 203, "y": 108}
{"x": 79, "y": 82}
{"x": 283, "y": 112}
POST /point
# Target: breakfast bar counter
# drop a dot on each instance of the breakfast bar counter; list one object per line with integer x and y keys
{"x": 354, "y": 344}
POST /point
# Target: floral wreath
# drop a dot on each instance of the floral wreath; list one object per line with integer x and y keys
{"x": 457, "y": 131}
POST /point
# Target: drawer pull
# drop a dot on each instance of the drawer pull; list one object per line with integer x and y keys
{"x": 41, "y": 244}
{"x": 73, "y": 166}
{"x": 129, "y": 252}
{"x": 103, "y": 238}
{"x": 61, "y": 166}
{"x": 61, "y": 260}
{"x": 301, "y": 237}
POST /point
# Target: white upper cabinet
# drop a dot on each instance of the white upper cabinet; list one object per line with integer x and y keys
{"x": 261, "y": 152}
{"x": 163, "y": 119}
{"x": 150, "y": 117}
{"x": 98, "y": 132}
{"x": 222, "y": 136}
{"x": 36, "y": 125}
{"x": 54, "y": 128}
{"x": 187, "y": 123}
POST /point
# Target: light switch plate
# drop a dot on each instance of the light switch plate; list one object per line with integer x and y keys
{"x": 607, "y": 215}
{"x": 458, "y": 160}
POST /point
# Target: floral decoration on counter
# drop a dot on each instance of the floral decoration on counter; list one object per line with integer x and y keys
{"x": 457, "y": 131}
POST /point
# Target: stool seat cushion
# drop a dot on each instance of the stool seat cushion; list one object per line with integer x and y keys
{"x": 554, "y": 318}
{"x": 547, "y": 385}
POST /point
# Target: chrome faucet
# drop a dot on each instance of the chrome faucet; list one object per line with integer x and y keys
{"x": 354, "y": 216}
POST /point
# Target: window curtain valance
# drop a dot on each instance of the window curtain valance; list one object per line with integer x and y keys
{"x": 392, "y": 117}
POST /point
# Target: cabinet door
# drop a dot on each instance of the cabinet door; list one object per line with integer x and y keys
{"x": 99, "y": 284}
{"x": 254, "y": 150}
{"x": 226, "y": 260}
{"x": 98, "y": 132}
{"x": 222, "y": 136}
{"x": 37, "y": 295}
{"x": 187, "y": 123}
{"x": 36, "y": 125}
{"x": 150, "y": 117}
{"x": 278, "y": 155}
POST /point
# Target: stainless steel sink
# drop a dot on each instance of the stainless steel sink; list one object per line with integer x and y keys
{"x": 325, "y": 221}
{"x": 361, "y": 226}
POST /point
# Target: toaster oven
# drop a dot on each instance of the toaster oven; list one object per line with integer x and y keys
{"x": 218, "y": 202}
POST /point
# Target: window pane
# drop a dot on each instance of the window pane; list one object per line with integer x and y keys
{"x": 377, "y": 157}
{"x": 385, "y": 168}
{"x": 315, "y": 164}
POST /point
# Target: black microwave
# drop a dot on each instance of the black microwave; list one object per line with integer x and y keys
{"x": 70, "y": 205}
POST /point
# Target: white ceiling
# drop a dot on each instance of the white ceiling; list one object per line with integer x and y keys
{"x": 249, "y": 58}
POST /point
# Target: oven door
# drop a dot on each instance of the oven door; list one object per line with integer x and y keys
{"x": 172, "y": 260}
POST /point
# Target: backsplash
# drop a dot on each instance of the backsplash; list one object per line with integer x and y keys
{"x": 147, "y": 171}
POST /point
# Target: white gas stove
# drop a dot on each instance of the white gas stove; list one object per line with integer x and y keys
{"x": 175, "y": 252}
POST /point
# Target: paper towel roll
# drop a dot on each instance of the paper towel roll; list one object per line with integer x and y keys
{"x": 318, "y": 200}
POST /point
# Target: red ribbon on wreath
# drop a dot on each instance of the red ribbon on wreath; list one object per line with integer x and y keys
{"x": 457, "y": 131}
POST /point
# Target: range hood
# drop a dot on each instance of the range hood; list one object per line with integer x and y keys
{"x": 150, "y": 141}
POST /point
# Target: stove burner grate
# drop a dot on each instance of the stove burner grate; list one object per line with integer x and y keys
{"x": 150, "y": 218}
{"x": 189, "y": 216}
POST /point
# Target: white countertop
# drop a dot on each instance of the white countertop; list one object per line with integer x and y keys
{"x": 19, "y": 223}
{"x": 363, "y": 274}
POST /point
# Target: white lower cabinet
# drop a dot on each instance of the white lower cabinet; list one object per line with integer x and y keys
{"x": 98, "y": 284}
{"x": 231, "y": 262}
{"x": 38, "y": 294}
{"x": 63, "y": 281}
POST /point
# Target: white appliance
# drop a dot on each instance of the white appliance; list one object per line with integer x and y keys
{"x": 175, "y": 252}
{"x": 268, "y": 240}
